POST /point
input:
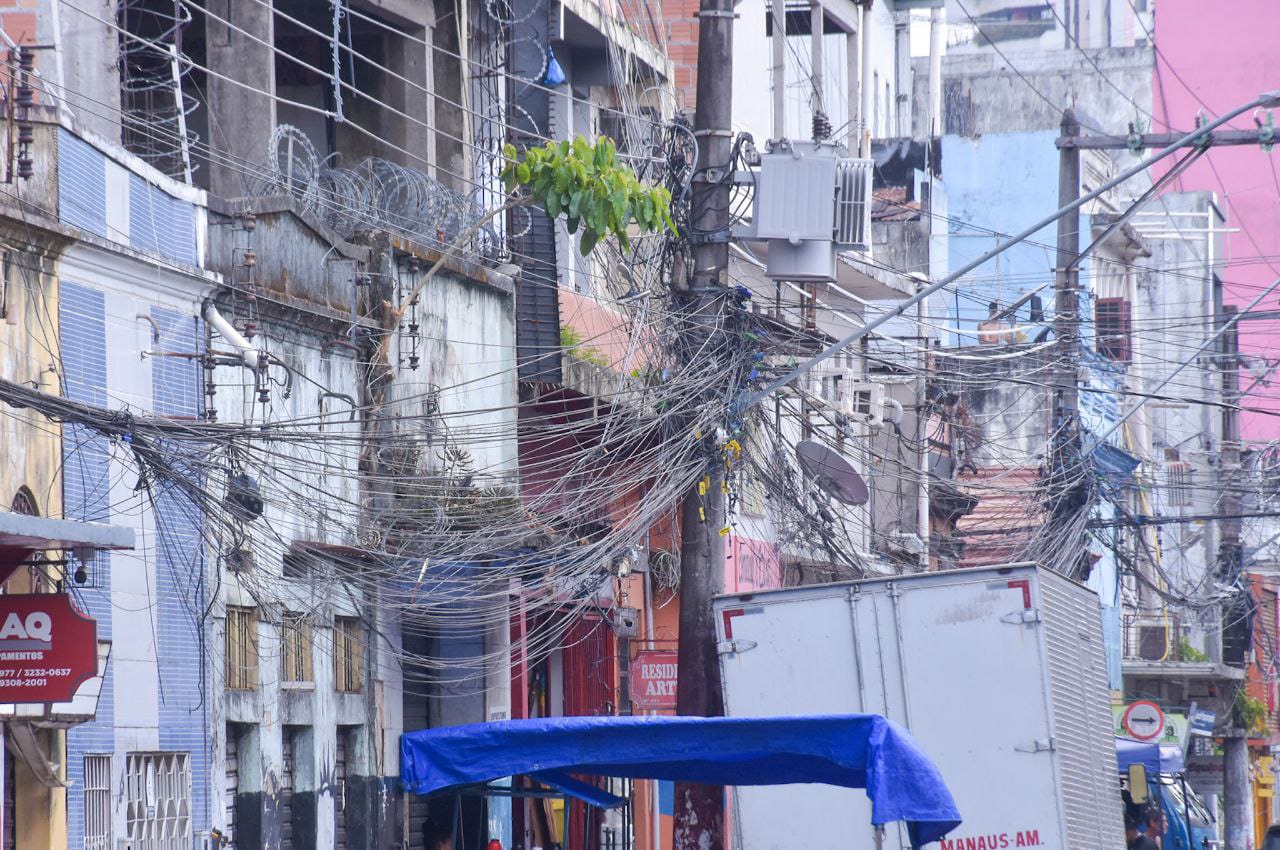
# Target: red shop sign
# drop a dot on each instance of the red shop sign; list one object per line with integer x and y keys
{"x": 48, "y": 649}
{"x": 653, "y": 680}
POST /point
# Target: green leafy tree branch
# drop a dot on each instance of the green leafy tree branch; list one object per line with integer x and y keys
{"x": 588, "y": 185}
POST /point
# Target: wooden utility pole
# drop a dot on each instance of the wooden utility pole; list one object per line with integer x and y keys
{"x": 699, "y": 809}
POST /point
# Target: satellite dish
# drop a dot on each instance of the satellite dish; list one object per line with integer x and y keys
{"x": 832, "y": 472}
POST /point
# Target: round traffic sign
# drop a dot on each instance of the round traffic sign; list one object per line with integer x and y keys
{"x": 1143, "y": 720}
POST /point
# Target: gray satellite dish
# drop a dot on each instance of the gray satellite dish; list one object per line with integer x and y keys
{"x": 832, "y": 472}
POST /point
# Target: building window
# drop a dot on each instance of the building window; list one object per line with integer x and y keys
{"x": 348, "y": 654}
{"x": 242, "y": 649}
{"x": 1111, "y": 317}
{"x": 1180, "y": 483}
{"x": 158, "y": 800}
{"x": 295, "y": 647}
{"x": 97, "y": 802}
{"x": 24, "y": 502}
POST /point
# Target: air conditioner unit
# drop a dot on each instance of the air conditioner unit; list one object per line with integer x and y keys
{"x": 810, "y": 201}
{"x": 905, "y": 542}
{"x": 864, "y": 403}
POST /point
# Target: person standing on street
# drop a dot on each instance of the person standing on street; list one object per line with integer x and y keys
{"x": 1135, "y": 824}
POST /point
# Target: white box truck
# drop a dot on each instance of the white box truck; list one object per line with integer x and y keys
{"x": 998, "y": 672}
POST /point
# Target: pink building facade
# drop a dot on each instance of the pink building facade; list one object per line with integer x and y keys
{"x": 1208, "y": 62}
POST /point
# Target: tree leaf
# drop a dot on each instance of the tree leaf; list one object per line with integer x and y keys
{"x": 589, "y": 239}
{"x": 572, "y": 223}
{"x": 619, "y": 201}
{"x": 523, "y": 173}
{"x": 575, "y": 202}
{"x": 624, "y": 240}
{"x": 553, "y": 205}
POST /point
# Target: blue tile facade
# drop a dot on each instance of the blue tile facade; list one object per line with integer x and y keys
{"x": 182, "y": 592}
{"x": 178, "y": 551}
{"x": 85, "y": 483}
{"x": 82, "y": 184}
{"x": 160, "y": 223}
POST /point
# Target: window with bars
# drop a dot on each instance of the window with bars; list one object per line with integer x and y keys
{"x": 97, "y": 802}
{"x": 348, "y": 654}
{"x": 295, "y": 648}
{"x": 1180, "y": 483}
{"x": 242, "y": 649}
{"x": 1112, "y": 324}
{"x": 158, "y": 800}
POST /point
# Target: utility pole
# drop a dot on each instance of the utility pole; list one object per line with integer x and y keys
{"x": 1064, "y": 432}
{"x": 1066, "y": 280}
{"x": 1236, "y": 792}
{"x": 699, "y": 809}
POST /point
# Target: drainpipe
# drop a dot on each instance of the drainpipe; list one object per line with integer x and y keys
{"x": 937, "y": 30}
{"x": 253, "y": 358}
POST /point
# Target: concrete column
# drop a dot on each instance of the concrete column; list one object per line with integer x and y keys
{"x": 902, "y": 74}
{"x": 937, "y": 36}
{"x": 406, "y": 56}
{"x": 1236, "y": 792}
{"x": 84, "y": 62}
{"x": 242, "y": 114}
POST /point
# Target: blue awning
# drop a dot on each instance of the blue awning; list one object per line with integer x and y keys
{"x": 1157, "y": 758}
{"x": 853, "y": 751}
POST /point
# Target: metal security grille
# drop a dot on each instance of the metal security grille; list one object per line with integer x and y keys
{"x": 10, "y": 825}
{"x": 348, "y": 654}
{"x": 1180, "y": 483}
{"x": 295, "y": 648}
{"x": 158, "y": 800}
{"x": 232, "y": 780}
{"x": 286, "y": 789}
{"x": 340, "y": 791}
{"x": 97, "y": 802}
{"x": 242, "y": 649}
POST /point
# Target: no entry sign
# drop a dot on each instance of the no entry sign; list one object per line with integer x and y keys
{"x": 47, "y": 648}
{"x": 653, "y": 680}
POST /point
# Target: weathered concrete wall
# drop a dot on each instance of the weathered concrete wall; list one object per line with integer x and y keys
{"x": 982, "y": 95}
{"x": 85, "y": 62}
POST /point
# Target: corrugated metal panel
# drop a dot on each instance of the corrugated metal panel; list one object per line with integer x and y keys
{"x": 232, "y": 786}
{"x": 1083, "y": 732}
{"x": 82, "y": 184}
{"x": 853, "y": 203}
{"x": 160, "y": 223}
{"x": 538, "y": 288}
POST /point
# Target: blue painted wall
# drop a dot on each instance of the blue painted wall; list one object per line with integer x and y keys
{"x": 182, "y": 592}
{"x": 85, "y": 484}
{"x": 178, "y": 556}
{"x": 1000, "y": 182}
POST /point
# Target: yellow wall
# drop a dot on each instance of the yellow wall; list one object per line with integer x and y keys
{"x": 31, "y": 456}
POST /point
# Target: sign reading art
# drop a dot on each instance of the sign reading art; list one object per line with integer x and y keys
{"x": 653, "y": 680}
{"x": 48, "y": 649}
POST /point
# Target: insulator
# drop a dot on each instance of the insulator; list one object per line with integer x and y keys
{"x": 821, "y": 126}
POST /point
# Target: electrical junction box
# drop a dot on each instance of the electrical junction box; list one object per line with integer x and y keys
{"x": 811, "y": 200}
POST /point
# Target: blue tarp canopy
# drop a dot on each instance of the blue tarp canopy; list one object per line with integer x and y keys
{"x": 853, "y": 751}
{"x": 1157, "y": 758}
